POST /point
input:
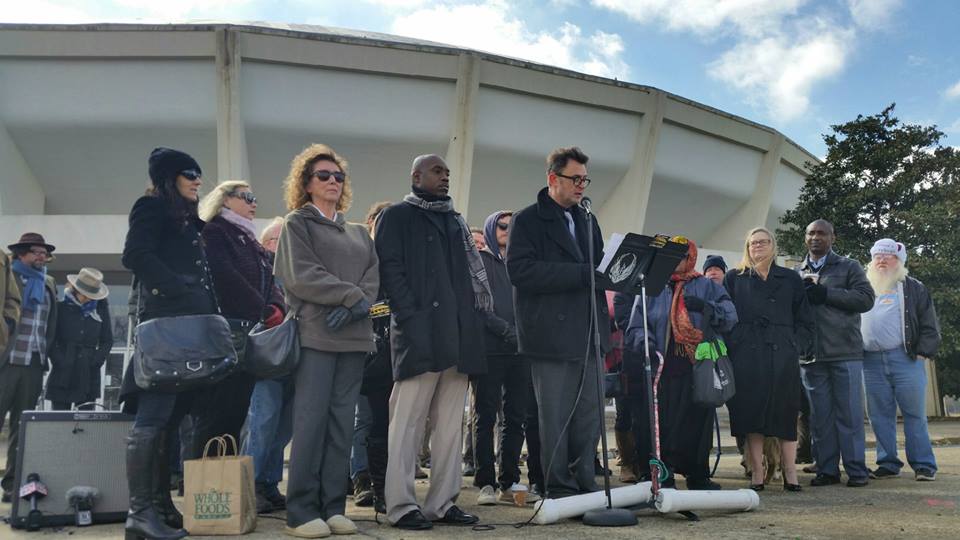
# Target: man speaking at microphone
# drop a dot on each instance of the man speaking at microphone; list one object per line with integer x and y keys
{"x": 548, "y": 263}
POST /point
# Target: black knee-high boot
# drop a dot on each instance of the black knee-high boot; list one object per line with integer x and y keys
{"x": 143, "y": 520}
{"x": 377, "y": 467}
{"x": 161, "y": 485}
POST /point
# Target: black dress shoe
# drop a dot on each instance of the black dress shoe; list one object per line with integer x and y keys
{"x": 6, "y": 496}
{"x": 456, "y": 516}
{"x": 857, "y": 482}
{"x": 787, "y": 486}
{"x": 702, "y": 484}
{"x": 759, "y": 487}
{"x": 824, "y": 480}
{"x": 413, "y": 520}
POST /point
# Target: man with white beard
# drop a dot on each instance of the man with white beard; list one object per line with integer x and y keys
{"x": 899, "y": 333}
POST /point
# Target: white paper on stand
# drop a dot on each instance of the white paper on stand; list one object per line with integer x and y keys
{"x": 610, "y": 248}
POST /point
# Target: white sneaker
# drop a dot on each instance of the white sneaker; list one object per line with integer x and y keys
{"x": 341, "y": 525}
{"x": 316, "y": 528}
{"x": 487, "y": 496}
{"x": 506, "y": 495}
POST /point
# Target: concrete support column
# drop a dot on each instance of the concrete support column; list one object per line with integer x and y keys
{"x": 626, "y": 207}
{"x": 460, "y": 148}
{"x": 232, "y": 161}
{"x": 754, "y": 212}
{"x": 20, "y": 193}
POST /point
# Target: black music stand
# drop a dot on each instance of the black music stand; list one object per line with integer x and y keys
{"x": 641, "y": 265}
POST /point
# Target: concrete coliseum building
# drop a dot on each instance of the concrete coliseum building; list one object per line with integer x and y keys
{"x": 81, "y": 107}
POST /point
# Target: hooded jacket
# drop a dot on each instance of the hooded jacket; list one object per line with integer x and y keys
{"x": 501, "y": 324}
{"x": 324, "y": 264}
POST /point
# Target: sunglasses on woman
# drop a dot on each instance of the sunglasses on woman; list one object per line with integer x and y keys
{"x": 325, "y": 175}
{"x": 245, "y": 196}
{"x": 190, "y": 174}
{"x": 503, "y": 226}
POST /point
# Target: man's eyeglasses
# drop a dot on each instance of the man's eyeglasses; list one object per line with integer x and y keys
{"x": 325, "y": 175}
{"x": 39, "y": 253}
{"x": 579, "y": 181}
{"x": 503, "y": 226}
{"x": 190, "y": 174}
{"x": 245, "y": 196}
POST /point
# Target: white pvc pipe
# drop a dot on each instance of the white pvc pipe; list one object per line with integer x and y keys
{"x": 672, "y": 500}
{"x": 553, "y": 510}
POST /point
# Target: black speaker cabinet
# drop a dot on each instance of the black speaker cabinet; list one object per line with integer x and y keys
{"x": 73, "y": 448}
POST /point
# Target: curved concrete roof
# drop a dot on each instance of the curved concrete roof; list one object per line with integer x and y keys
{"x": 82, "y": 105}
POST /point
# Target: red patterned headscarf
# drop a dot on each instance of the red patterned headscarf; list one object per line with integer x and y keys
{"x": 685, "y": 334}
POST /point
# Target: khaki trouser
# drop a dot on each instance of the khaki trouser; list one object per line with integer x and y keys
{"x": 441, "y": 397}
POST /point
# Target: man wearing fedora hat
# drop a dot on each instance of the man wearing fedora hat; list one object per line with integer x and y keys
{"x": 82, "y": 342}
{"x": 25, "y": 357}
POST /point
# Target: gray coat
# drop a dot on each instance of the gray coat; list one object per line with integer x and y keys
{"x": 324, "y": 264}
{"x": 837, "y": 321}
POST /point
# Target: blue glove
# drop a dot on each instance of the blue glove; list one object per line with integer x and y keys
{"x": 338, "y": 318}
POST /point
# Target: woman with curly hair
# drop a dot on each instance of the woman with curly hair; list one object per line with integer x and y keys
{"x": 330, "y": 276}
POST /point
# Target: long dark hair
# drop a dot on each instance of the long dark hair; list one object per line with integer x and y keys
{"x": 179, "y": 208}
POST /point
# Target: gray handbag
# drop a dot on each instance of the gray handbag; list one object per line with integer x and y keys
{"x": 272, "y": 352}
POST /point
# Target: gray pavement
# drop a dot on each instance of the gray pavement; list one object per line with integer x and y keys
{"x": 894, "y": 508}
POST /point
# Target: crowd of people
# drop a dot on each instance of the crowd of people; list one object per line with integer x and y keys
{"x": 502, "y": 311}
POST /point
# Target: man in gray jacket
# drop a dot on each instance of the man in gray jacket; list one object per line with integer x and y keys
{"x": 839, "y": 292}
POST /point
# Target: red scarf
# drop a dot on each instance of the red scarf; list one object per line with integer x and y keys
{"x": 685, "y": 334}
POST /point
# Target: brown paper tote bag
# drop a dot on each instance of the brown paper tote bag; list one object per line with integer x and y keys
{"x": 218, "y": 491}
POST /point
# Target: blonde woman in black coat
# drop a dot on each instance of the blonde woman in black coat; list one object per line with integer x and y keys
{"x": 775, "y": 326}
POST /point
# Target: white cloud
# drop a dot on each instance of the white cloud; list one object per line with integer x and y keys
{"x": 41, "y": 11}
{"x": 492, "y": 27}
{"x": 181, "y": 9}
{"x": 953, "y": 92}
{"x": 748, "y": 17}
{"x": 778, "y": 72}
{"x": 782, "y": 48}
{"x": 872, "y": 14}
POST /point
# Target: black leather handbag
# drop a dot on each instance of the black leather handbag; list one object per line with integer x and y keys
{"x": 272, "y": 352}
{"x": 174, "y": 354}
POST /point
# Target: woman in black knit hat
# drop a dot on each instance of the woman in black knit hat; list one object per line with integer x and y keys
{"x": 165, "y": 252}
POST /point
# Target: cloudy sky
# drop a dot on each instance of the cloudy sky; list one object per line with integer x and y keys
{"x": 796, "y": 65}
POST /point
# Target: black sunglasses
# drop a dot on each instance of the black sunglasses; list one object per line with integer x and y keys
{"x": 325, "y": 175}
{"x": 503, "y": 226}
{"x": 579, "y": 181}
{"x": 246, "y": 196}
{"x": 190, "y": 174}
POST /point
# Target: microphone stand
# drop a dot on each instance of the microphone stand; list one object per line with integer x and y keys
{"x": 609, "y": 516}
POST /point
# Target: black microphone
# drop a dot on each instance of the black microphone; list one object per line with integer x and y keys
{"x": 81, "y": 499}
{"x": 585, "y": 203}
{"x": 33, "y": 490}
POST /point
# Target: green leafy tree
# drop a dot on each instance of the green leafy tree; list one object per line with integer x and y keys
{"x": 885, "y": 179}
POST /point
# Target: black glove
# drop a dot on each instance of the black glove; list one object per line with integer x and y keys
{"x": 338, "y": 318}
{"x": 694, "y": 303}
{"x": 360, "y": 310}
{"x": 816, "y": 293}
{"x": 510, "y": 336}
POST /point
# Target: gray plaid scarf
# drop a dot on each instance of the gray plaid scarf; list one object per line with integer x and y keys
{"x": 483, "y": 299}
